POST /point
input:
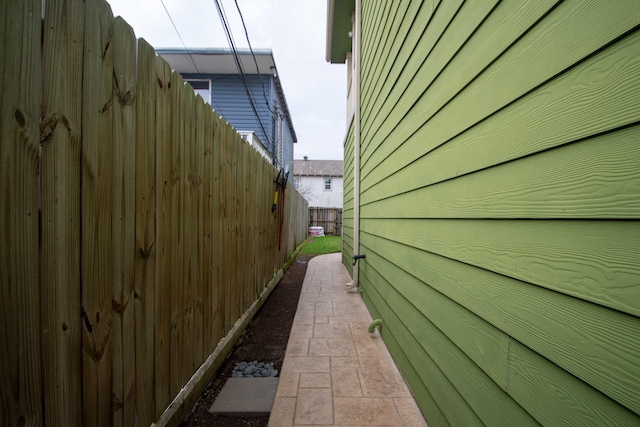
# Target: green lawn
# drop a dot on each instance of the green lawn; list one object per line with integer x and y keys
{"x": 321, "y": 245}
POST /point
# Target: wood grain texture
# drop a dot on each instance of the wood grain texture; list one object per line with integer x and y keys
{"x": 20, "y": 89}
{"x": 533, "y": 61}
{"x": 146, "y": 249}
{"x": 123, "y": 222}
{"x": 593, "y": 343}
{"x": 164, "y": 124}
{"x": 97, "y": 211}
{"x": 599, "y": 177}
{"x": 177, "y": 239}
{"x": 485, "y": 397}
{"x": 593, "y": 260}
{"x": 60, "y": 183}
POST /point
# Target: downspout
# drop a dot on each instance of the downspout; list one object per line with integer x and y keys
{"x": 356, "y": 146}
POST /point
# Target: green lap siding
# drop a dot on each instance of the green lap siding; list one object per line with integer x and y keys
{"x": 500, "y": 206}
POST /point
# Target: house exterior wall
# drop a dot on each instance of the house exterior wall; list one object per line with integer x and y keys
{"x": 312, "y": 189}
{"x": 229, "y": 98}
{"x": 500, "y": 198}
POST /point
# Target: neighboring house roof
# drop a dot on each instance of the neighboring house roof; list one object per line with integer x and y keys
{"x": 318, "y": 168}
{"x": 222, "y": 61}
{"x": 339, "y": 29}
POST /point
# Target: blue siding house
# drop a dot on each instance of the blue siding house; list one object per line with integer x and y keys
{"x": 253, "y": 101}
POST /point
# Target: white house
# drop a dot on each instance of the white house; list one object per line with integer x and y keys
{"x": 319, "y": 181}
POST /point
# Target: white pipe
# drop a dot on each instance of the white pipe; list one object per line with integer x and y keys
{"x": 356, "y": 144}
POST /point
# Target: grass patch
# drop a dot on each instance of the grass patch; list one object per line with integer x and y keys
{"x": 321, "y": 245}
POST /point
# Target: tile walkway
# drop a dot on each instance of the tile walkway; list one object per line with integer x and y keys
{"x": 334, "y": 372}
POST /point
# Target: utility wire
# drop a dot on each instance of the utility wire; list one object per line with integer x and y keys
{"x": 187, "y": 49}
{"x": 238, "y": 63}
{"x": 255, "y": 61}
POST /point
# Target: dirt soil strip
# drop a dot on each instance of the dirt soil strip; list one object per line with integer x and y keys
{"x": 265, "y": 340}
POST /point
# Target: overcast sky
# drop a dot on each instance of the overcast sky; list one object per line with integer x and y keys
{"x": 296, "y": 32}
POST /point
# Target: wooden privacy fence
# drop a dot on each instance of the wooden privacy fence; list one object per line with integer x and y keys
{"x": 329, "y": 218}
{"x": 136, "y": 224}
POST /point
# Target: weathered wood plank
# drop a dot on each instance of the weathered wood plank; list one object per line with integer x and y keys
{"x": 20, "y": 88}
{"x": 543, "y": 320}
{"x": 217, "y": 296}
{"x": 177, "y": 227}
{"x": 60, "y": 288}
{"x": 578, "y": 30}
{"x": 97, "y": 214}
{"x": 164, "y": 220}
{"x": 203, "y": 260}
{"x": 208, "y": 248}
{"x": 188, "y": 230}
{"x": 123, "y": 222}
{"x": 145, "y": 232}
{"x": 574, "y": 181}
{"x": 225, "y": 180}
{"x": 593, "y": 260}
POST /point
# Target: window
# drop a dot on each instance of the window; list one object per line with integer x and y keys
{"x": 202, "y": 88}
{"x": 327, "y": 183}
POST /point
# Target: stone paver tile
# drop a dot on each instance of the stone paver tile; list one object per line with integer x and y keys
{"x": 306, "y": 306}
{"x": 345, "y": 382}
{"x": 331, "y": 330}
{"x": 306, "y": 364}
{"x": 321, "y": 319}
{"x": 409, "y": 412}
{"x": 314, "y": 406}
{"x": 282, "y": 412}
{"x": 345, "y": 362}
{"x": 324, "y": 309}
{"x": 331, "y": 347}
{"x": 382, "y": 382}
{"x": 298, "y": 347}
{"x": 366, "y": 411}
{"x": 315, "y": 380}
{"x": 300, "y": 330}
{"x": 362, "y": 315}
{"x": 288, "y": 384}
{"x": 305, "y": 314}
{"x": 369, "y": 345}
{"x": 304, "y": 321}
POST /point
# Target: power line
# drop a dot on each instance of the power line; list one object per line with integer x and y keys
{"x": 255, "y": 61}
{"x": 236, "y": 57}
{"x": 187, "y": 50}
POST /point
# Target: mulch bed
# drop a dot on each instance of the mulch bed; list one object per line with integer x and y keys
{"x": 265, "y": 340}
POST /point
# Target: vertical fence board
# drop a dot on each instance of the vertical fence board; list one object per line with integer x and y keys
{"x": 216, "y": 292}
{"x": 164, "y": 185}
{"x": 97, "y": 198}
{"x": 202, "y": 265}
{"x": 145, "y": 235}
{"x": 123, "y": 221}
{"x": 208, "y": 262}
{"x": 61, "y": 119}
{"x": 225, "y": 208}
{"x": 20, "y": 373}
{"x": 177, "y": 230}
{"x": 189, "y": 224}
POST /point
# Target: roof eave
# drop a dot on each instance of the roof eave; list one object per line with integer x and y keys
{"x": 338, "y": 28}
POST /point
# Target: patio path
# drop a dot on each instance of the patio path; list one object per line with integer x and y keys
{"x": 334, "y": 372}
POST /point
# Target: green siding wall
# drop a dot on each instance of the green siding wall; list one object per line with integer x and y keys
{"x": 347, "y": 208}
{"x": 500, "y": 199}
